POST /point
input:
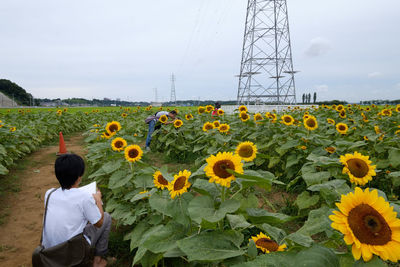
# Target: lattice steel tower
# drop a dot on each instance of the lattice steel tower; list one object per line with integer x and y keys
{"x": 173, "y": 94}
{"x": 266, "y": 72}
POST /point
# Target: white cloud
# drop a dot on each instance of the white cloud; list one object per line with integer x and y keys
{"x": 318, "y": 47}
{"x": 375, "y": 74}
{"x": 322, "y": 88}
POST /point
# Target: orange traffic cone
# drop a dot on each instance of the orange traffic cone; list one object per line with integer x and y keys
{"x": 62, "y": 147}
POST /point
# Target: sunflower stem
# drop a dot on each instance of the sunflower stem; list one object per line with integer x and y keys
{"x": 223, "y": 194}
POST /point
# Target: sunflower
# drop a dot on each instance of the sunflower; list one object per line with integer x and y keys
{"x": 387, "y": 112}
{"x": 188, "y": 116}
{"x": 311, "y": 123}
{"x": 208, "y": 126}
{"x": 397, "y": 132}
{"x": 330, "y": 149}
{"x": 118, "y": 144}
{"x": 365, "y": 138}
{"x": 358, "y": 168}
{"x": 224, "y": 128}
{"x": 342, "y": 114}
{"x": 178, "y": 123}
{"x": 124, "y": 115}
{"x": 330, "y": 121}
{"x": 303, "y": 147}
{"x": 287, "y": 120}
{"x": 342, "y": 128}
{"x": 397, "y": 108}
{"x": 163, "y": 119}
{"x": 258, "y": 117}
{"x": 247, "y": 151}
{"x": 209, "y": 108}
{"x": 266, "y": 244}
{"x": 377, "y": 129}
{"x": 107, "y": 135}
{"x": 159, "y": 180}
{"x": 201, "y": 110}
{"x": 220, "y": 112}
{"x": 216, "y": 124}
{"x": 13, "y": 129}
{"x": 180, "y": 184}
{"x": 113, "y": 127}
{"x": 242, "y": 109}
{"x": 369, "y": 224}
{"x": 217, "y": 167}
{"x": 133, "y": 153}
{"x": 339, "y": 108}
{"x": 244, "y": 116}
{"x": 273, "y": 116}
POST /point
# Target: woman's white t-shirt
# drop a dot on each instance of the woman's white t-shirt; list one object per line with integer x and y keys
{"x": 68, "y": 212}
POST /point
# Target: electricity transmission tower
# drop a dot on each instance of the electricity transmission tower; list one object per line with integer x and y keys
{"x": 266, "y": 72}
{"x": 173, "y": 94}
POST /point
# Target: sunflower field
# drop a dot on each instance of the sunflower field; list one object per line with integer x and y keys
{"x": 301, "y": 187}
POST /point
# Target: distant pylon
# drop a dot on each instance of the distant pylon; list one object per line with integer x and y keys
{"x": 173, "y": 93}
{"x": 155, "y": 94}
{"x": 266, "y": 72}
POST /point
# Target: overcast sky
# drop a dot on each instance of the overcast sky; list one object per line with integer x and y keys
{"x": 344, "y": 49}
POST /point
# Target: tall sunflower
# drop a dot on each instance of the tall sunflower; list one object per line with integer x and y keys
{"x": 163, "y": 119}
{"x": 118, "y": 144}
{"x": 178, "y": 123}
{"x": 216, "y": 124}
{"x": 113, "y": 127}
{"x": 244, "y": 116}
{"x": 220, "y": 112}
{"x": 124, "y": 115}
{"x": 201, "y": 110}
{"x": 180, "y": 184}
{"x": 369, "y": 224}
{"x": 311, "y": 123}
{"x": 209, "y": 108}
{"x": 330, "y": 149}
{"x": 188, "y": 116}
{"x": 397, "y": 108}
{"x": 342, "y": 128}
{"x": 217, "y": 167}
{"x": 266, "y": 244}
{"x": 377, "y": 129}
{"x": 247, "y": 151}
{"x": 159, "y": 180}
{"x": 107, "y": 135}
{"x": 242, "y": 109}
{"x": 358, "y": 168}
{"x": 224, "y": 128}
{"x": 287, "y": 120}
{"x": 208, "y": 126}
{"x": 133, "y": 153}
{"x": 342, "y": 114}
{"x": 387, "y": 112}
{"x": 258, "y": 117}
{"x": 339, "y": 108}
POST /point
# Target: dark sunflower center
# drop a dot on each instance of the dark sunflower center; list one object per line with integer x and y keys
{"x": 310, "y": 123}
{"x": 258, "y": 117}
{"x": 201, "y": 110}
{"x": 133, "y": 153}
{"x": 245, "y": 151}
{"x": 268, "y": 244}
{"x": 119, "y": 144}
{"x": 179, "y": 183}
{"x": 342, "y": 128}
{"x": 287, "y": 119}
{"x": 178, "y": 123}
{"x": 162, "y": 180}
{"x": 223, "y": 128}
{"x": 369, "y": 226}
{"x": 113, "y": 128}
{"x": 244, "y": 116}
{"x": 220, "y": 168}
{"x": 358, "y": 167}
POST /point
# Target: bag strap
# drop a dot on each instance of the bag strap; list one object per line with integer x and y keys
{"x": 45, "y": 213}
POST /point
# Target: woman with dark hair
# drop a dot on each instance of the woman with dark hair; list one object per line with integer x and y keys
{"x": 215, "y": 111}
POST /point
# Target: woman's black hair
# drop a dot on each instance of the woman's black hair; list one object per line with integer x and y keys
{"x": 68, "y": 169}
{"x": 217, "y": 105}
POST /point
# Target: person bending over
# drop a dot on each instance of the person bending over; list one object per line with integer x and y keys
{"x": 152, "y": 124}
{"x": 72, "y": 211}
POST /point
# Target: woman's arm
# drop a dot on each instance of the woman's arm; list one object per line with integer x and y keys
{"x": 99, "y": 204}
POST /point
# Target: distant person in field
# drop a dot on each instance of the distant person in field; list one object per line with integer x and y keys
{"x": 152, "y": 121}
{"x": 72, "y": 211}
{"x": 216, "y": 107}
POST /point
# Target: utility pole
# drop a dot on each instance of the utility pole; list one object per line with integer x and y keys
{"x": 173, "y": 93}
{"x": 155, "y": 94}
{"x": 266, "y": 72}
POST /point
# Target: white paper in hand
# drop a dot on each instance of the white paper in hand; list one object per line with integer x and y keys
{"x": 90, "y": 188}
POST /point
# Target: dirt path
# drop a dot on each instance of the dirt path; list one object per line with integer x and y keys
{"x": 21, "y": 232}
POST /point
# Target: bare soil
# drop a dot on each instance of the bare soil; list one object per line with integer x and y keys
{"x": 20, "y": 233}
